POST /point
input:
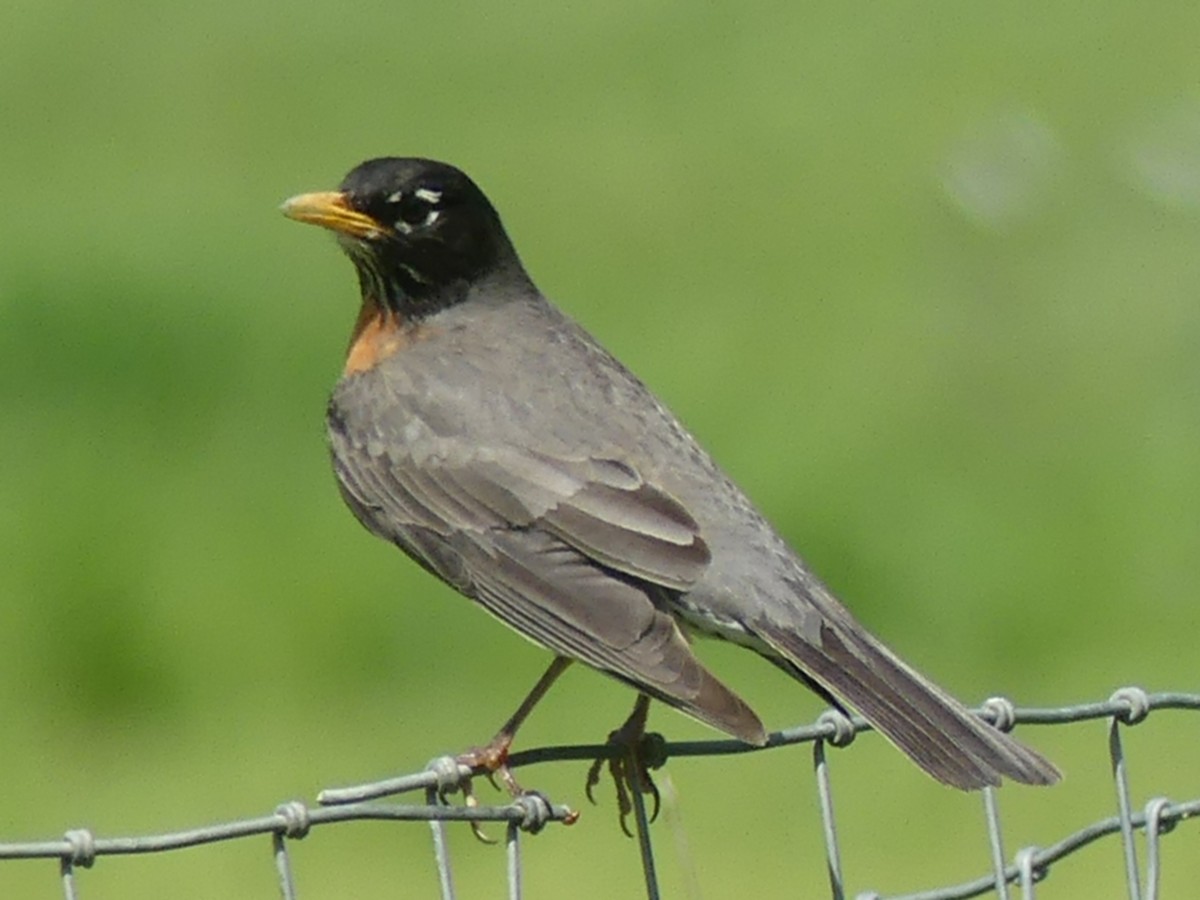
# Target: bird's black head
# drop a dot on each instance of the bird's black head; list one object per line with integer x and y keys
{"x": 419, "y": 232}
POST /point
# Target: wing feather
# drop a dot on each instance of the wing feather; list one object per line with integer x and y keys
{"x": 576, "y": 554}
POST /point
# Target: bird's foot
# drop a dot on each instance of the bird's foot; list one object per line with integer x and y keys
{"x": 492, "y": 759}
{"x": 636, "y": 754}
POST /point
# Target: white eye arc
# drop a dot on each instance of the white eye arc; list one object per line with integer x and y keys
{"x": 427, "y": 196}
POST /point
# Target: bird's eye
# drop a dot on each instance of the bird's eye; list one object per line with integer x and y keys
{"x": 416, "y": 209}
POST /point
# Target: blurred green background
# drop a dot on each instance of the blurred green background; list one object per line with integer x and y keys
{"x": 923, "y": 277}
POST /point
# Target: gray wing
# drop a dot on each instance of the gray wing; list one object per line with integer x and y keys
{"x": 576, "y": 554}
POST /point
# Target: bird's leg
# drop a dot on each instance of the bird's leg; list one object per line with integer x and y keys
{"x": 493, "y": 756}
{"x": 629, "y": 767}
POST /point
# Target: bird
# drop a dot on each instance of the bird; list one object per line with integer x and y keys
{"x": 485, "y": 433}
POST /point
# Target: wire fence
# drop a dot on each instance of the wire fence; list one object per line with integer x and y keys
{"x": 79, "y": 848}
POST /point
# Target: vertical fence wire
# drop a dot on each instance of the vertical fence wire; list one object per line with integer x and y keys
{"x": 287, "y": 884}
{"x": 67, "y": 871}
{"x": 833, "y": 856}
{"x": 1124, "y": 807}
{"x": 991, "y": 812}
{"x": 1026, "y": 874}
{"x": 81, "y": 854}
{"x": 512, "y": 851}
{"x": 642, "y": 821}
{"x": 296, "y": 823}
{"x": 441, "y": 848}
{"x": 1154, "y": 812}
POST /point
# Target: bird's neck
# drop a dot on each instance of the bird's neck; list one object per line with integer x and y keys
{"x": 403, "y": 293}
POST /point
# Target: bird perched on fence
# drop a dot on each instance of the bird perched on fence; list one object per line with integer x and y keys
{"x": 492, "y": 439}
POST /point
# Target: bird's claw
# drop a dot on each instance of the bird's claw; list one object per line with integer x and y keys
{"x": 630, "y": 772}
{"x": 471, "y": 801}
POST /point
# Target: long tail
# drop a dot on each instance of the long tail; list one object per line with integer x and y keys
{"x": 936, "y": 731}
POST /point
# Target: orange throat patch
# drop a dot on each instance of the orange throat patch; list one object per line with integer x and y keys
{"x": 378, "y": 334}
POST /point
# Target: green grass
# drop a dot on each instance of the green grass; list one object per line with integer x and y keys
{"x": 924, "y": 278}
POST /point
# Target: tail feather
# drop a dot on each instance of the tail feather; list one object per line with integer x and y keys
{"x": 937, "y": 732}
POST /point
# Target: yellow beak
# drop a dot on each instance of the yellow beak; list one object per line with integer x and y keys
{"x": 331, "y": 209}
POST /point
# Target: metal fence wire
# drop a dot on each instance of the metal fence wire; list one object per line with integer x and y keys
{"x": 79, "y": 848}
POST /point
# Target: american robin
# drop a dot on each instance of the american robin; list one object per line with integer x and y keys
{"x": 492, "y": 439}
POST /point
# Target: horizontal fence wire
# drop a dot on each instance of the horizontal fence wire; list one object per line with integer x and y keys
{"x": 529, "y": 814}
